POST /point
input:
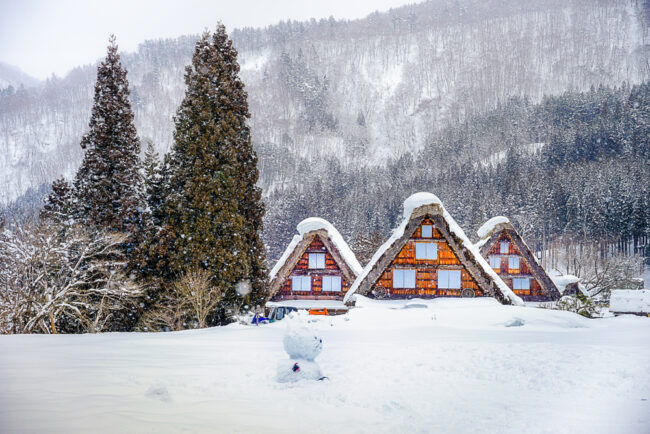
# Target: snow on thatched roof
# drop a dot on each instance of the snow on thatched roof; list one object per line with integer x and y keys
{"x": 411, "y": 204}
{"x": 561, "y": 282}
{"x": 489, "y": 226}
{"x": 312, "y": 224}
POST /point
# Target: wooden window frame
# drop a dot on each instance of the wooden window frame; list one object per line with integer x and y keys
{"x": 327, "y": 287}
{"x": 402, "y": 272}
{"x": 302, "y": 279}
{"x": 426, "y": 246}
{"x": 444, "y": 279}
{"x": 519, "y": 280}
{"x": 316, "y": 261}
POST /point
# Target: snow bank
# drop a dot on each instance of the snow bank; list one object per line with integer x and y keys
{"x": 411, "y": 204}
{"x": 455, "y": 365}
{"x": 489, "y": 225}
{"x": 479, "y": 313}
{"x": 312, "y": 224}
{"x": 630, "y": 301}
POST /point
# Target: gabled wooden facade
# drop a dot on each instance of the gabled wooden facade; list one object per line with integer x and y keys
{"x": 509, "y": 256}
{"x": 318, "y": 265}
{"x": 430, "y": 257}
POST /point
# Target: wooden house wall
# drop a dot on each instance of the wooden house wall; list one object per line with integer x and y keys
{"x": 302, "y": 269}
{"x": 536, "y": 291}
{"x": 426, "y": 275}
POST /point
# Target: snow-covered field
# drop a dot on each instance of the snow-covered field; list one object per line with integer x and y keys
{"x": 441, "y": 366}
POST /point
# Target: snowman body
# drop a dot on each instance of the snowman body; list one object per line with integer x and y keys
{"x": 302, "y": 345}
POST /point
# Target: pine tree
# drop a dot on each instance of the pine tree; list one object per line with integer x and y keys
{"x": 58, "y": 205}
{"x": 108, "y": 185}
{"x": 153, "y": 187}
{"x": 214, "y": 209}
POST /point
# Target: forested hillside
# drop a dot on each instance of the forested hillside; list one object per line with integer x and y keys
{"x": 360, "y": 91}
{"x": 350, "y": 117}
{"x": 576, "y": 166}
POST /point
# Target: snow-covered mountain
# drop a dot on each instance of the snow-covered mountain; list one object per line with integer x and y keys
{"x": 361, "y": 91}
{"x": 13, "y": 76}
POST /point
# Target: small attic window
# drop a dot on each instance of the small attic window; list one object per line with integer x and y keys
{"x": 505, "y": 247}
{"x": 317, "y": 260}
{"x": 427, "y": 231}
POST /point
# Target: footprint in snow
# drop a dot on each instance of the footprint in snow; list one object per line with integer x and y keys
{"x": 158, "y": 392}
{"x": 516, "y": 322}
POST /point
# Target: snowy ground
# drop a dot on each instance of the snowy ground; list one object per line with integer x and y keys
{"x": 442, "y": 366}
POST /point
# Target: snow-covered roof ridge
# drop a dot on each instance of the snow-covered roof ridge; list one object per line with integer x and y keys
{"x": 489, "y": 226}
{"x": 419, "y": 199}
{"x": 411, "y": 204}
{"x": 562, "y": 281}
{"x": 313, "y": 224}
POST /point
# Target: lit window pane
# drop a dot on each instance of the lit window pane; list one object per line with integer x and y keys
{"x": 521, "y": 283}
{"x": 404, "y": 279}
{"x": 513, "y": 263}
{"x": 426, "y": 250}
{"x": 301, "y": 283}
{"x": 409, "y": 278}
{"x": 449, "y": 279}
{"x": 332, "y": 283}
{"x": 316, "y": 260}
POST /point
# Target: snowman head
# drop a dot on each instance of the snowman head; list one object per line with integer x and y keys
{"x": 302, "y": 343}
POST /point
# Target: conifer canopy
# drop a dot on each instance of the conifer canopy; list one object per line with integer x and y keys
{"x": 108, "y": 185}
{"x": 213, "y": 207}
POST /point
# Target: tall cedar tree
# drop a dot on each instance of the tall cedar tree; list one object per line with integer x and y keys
{"x": 213, "y": 207}
{"x": 108, "y": 185}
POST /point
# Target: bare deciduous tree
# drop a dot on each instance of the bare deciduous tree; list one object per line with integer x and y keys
{"x": 188, "y": 304}
{"x": 53, "y": 280}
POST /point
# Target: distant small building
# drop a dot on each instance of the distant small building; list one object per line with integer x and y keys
{"x": 630, "y": 301}
{"x": 427, "y": 256}
{"x": 509, "y": 256}
{"x": 315, "y": 271}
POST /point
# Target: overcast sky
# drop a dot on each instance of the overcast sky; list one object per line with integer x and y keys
{"x": 42, "y": 37}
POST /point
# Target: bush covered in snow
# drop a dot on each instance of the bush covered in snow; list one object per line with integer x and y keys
{"x": 581, "y": 305}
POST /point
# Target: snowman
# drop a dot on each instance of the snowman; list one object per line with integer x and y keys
{"x": 303, "y": 345}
